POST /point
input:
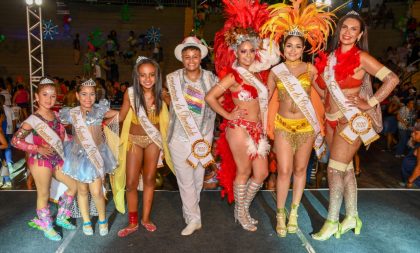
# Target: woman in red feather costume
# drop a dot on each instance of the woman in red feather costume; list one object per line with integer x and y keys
{"x": 243, "y": 144}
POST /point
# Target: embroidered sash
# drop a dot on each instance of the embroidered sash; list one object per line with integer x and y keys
{"x": 47, "y": 133}
{"x": 148, "y": 127}
{"x": 302, "y": 100}
{"x": 200, "y": 148}
{"x": 360, "y": 124}
{"x": 86, "y": 140}
{"x": 262, "y": 91}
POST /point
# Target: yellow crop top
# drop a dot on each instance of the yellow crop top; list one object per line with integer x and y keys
{"x": 304, "y": 79}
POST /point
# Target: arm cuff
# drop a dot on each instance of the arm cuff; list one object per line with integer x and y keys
{"x": 372, "y": 101}
{"x": 382, "y": 73}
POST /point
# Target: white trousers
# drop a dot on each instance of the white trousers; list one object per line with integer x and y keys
{"x": 190, "y": 180}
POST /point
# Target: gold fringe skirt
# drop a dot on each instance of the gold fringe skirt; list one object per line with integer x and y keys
{"x": 295, "y": 131}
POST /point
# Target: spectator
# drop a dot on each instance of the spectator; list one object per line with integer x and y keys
{"x": 391, "y": 123}
{"x": 410, "y": 168}
{"x": 21, "y": 99}
{"x": 6, "y": 93}
{"x": 406, "y": 118}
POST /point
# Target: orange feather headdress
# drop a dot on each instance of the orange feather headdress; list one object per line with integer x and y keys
{"x": 311, "y": 22}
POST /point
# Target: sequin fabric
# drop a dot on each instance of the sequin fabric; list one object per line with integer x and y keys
{"x": 194, "y": 98}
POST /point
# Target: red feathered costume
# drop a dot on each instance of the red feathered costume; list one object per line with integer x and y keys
{"x": 243, "y": 14}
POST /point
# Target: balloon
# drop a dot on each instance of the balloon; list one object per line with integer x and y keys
{"x": 2, "y": 38}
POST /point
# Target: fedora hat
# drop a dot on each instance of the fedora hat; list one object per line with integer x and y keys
{"x": 190, "y": 42}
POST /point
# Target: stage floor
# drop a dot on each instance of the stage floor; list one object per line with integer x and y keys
{"x": 391, "y": 223}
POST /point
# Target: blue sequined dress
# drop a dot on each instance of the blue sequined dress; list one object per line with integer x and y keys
{"x": 76, "y": 163}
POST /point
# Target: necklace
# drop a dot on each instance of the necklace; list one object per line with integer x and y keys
{"x": 293, "y": 64}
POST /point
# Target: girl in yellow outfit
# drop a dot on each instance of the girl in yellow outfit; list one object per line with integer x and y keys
{"x": 298, "y": 110}
{"x": 143, "y": 138}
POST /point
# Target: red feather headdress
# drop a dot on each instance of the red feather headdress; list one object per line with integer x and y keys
{"x": 243, "y": 21}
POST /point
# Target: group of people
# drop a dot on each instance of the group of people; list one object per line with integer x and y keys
{"x": 258, "y": 99}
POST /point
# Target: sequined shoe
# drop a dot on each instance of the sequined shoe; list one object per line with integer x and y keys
{"x": 103, "y": 227}
{"x": 351, "y": 222}
{"x": 328, "y": 229}
{"x": 64, "y": 212}
{"x": 87, "y": 228}
{"x": 240, "y": 212}
{"x": 281, "y": 222}
{"x": 292, "y": 225}
{"x": 44, "y": 223}
{"x": 149, "y": 226}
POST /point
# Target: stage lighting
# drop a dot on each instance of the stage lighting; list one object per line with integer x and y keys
{"x": 29, "y": 2}
{"x": 38, "y": 2}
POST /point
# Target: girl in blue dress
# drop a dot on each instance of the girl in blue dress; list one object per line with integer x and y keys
{"x": 88, "y": 156}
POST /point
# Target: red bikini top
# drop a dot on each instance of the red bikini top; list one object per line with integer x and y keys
{"x": 247, "y": 92}
{"x": 348, "y": 83}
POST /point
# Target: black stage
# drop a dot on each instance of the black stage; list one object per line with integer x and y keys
{"x": 391, "y": 223}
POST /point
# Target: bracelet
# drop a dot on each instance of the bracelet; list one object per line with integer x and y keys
{"x": 221, "y": 87}
{"x": 373, "y": 101}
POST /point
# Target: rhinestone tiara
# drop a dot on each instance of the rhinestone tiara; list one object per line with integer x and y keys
{"x": 352, "y": 12}
{"x": 89, "y": 82}
{"x": 46, "y": 81}
{"x": 295, "y": 32}
{"x": 141, "y": 58}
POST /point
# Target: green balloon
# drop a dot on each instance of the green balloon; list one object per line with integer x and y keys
{"x": 2, "y": 37}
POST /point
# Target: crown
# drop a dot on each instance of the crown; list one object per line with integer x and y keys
{"x": 295, "y": 32}
{"x": 89, "y": 82}
{"x": 46, "y": 81}
{"x": 141, "y": 58}
{"x": 237, "y": 35}
{"x": 352, "y": 12}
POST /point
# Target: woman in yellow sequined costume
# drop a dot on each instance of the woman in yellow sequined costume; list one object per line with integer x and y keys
{"x": 140, "y": 150}
{"x": 294, "y": 135}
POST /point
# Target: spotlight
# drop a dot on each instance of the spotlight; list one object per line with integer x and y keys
{"x": 29, "y": 2}
{"x": 38, "y": 2}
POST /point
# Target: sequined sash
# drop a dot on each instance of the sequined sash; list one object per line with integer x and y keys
{"x": 86, "y": 140}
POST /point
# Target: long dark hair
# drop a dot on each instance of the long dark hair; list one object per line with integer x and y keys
{"x": 138, "y": 90}
{"x": 361, "y": 44}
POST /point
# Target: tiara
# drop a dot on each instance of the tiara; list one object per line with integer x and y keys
{"x": 141, "y": 58}
{"x": 296, "y": 32}
{"x": 89, "y": 82}
{"x": 237, "y": 35}
{"x": 352, "y": 12}
{"x": 46, "y": 81}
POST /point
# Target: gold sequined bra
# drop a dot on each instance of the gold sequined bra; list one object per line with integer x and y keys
{"x": 304, "y": 79}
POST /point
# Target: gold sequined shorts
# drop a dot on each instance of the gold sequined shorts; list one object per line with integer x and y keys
{"x": 295, "y": 131}
{"x": 142, "y": 141}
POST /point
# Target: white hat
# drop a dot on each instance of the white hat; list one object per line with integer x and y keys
{"x": 188, "y": 42}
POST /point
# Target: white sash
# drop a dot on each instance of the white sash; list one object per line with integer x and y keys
{"x": 302, "y": 100}
{"x": 262, "y": 91}
{"x": 200, "y": 148}
{"x": 360, "y": 124}
{"x": 86, "y": 140}
{"x": 47, "y": 133}
{"x": 148, "y": 127}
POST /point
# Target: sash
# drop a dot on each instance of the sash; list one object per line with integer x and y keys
{"x": 47, "y": 133}
{"x": 262, "y": 91}
{"x": 200, "y": 148}
{"x": 360, "y": 124}
{"x": 86, "y": 140}
{"x": 148, "y": 127}
{"x": 302, "y": 100}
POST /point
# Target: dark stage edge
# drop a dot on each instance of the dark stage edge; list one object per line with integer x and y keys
{"x": 391, "y": 223}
